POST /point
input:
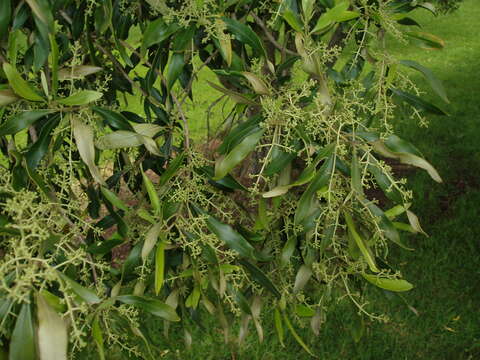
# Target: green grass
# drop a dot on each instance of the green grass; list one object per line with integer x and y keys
{"x": 445, "y": 267}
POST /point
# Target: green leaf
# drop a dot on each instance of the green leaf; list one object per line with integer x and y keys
{"x": 42, "y": 11}
{"x": 304, "y": 311}
{"x": 38, "y": 150}
{"x": 183, "y": 38}
{"x": 113, "y": 199}
{"x": 288, "y": 249}
{"x": 236, "y": 135}
{"x": 5, "y": 16}
{"x": 159, "y": 266}
{"x": 426, "y": 40}
{"x": 260, "y": 277}
{"x": 52, "y": 332}
{"x": 84, "y": 293}
{"x": 83, "y": 135}
{"x": 152, "y": 306}
{"x": 307, "y": 200}
{"x": 367, "y": 254}
{"x": 384, "y": 182}
{"x": 98, "y": 337}
{"x": 121, "y": 139}
{"x": 175, "y": 68}
{"x": 406, "y": 153}
{"x": 80, "y": 98}
{"x": 19, "y": 85}
{"x": 227, "y": 182}
{"x": 114, "y": 119}
{"x": 432, "y": 80}
{"x": 303, "y": 275}
{"x": 235, "y": 96}
{"x": 54, "y": 56}
{"x": 156, "y": 32}
{"x": 339, "y": 13}
{"x": 22, "y": 342}
{"x": 22, "y": 121}
{"x": 397, "y": 285}
{"x": 246, "y": 35}
{"x": 293, "y": 20}
{"x": 151, "y": 238}
{"x": 418, "y": 102}
{"x": 279, "y": 327}
{"x": 225, "y": 164}
{"x": 152, "y": 193}
{"x": 296, "y": 336}
{"x": 230, "y": 237}
{"x": 172, "y": 169}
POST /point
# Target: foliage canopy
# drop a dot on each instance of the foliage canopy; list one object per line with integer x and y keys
{"x": 289, "y": 203}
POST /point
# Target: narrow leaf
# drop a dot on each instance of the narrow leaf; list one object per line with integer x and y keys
{"x": 83, "y": 135}
{"x": 22, "y": 342}
{"x": 432, "y": 80}
{"x": 397, "y": 285}
{"x": 159, "y": 266}
{"x": 80, "y": 98}
{"x": 152, "y": 306}
{"x": 360, "y": 243}
{"x": 246, "y": 35}
{"x": 259, "y": 276}
{"x": 22, "y": 121}
{"x": 19, "y": 85}
{"x": 52, "y": 332}
{"x": 84, "y": 293}
{"x": 151, "y": 239}
{"x": 98, "y": 337}
{"x": 224, "y": 165}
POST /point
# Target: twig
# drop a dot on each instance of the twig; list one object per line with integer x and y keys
{"x": 270, "y": 37}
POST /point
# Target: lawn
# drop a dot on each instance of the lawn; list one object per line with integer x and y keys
{"x": 445, "y": 267}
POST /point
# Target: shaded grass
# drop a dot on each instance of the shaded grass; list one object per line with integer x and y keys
{"x": 445, "y": 267}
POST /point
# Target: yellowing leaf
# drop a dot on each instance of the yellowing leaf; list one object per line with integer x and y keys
{"x": 77, "y": 72}
{"x": 83, "y": 135}
{"x": 52, "y": 332}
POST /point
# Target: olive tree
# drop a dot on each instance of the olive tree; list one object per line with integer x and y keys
{"x": 122, "y": 196}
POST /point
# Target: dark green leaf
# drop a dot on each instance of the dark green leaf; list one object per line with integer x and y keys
{"x": 224, "y": 165}
{"x": 426, "y": 40}
{"x": 5, "y": 17}
{"x": 38, "y": 150}
{"x": 21, "y": 121}
{"x": 418, "y": 102}
{"x": 175, "y": 68}
{"x": 152, "y": 306}
{"x": 114, "y": 119}
{"x": 307, "y": 200}
{"x": 260, "y": 277}
{"x": 172, "y": 169}
{"x": 84, "y": 293}
{"x": 246, "y": 35}
{"x": 236, "y": 135}
{"x": 156, "y": 32}
{"x": 230, "y": 237}
{"x": 432, "y": 80}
